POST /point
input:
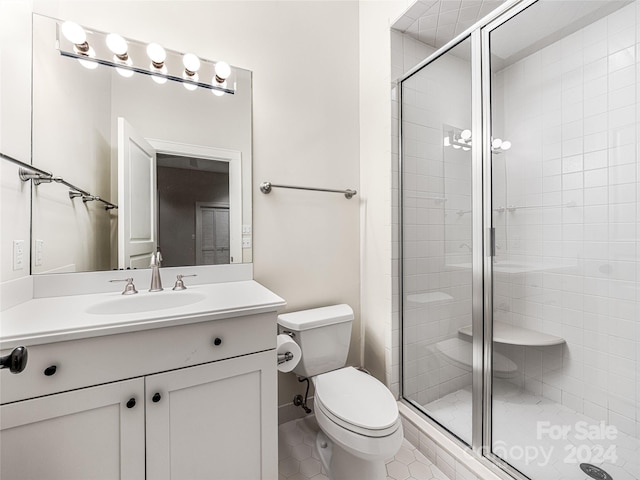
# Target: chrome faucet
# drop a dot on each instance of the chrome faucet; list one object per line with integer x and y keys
{"x": 156, "y": 281}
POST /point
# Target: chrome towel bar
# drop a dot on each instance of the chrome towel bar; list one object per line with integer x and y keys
{"x": 265, "y": 187}
{"x": 37, "y": 176}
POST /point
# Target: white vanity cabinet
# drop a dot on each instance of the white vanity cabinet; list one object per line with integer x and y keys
{"x": 213, "y": 421}
{"x": 92, "y": 433}
{"x": 195, "y": 401}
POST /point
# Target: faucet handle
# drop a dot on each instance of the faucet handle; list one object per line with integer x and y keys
{"x": 179, "y": 283}
{"x": 129, "y": 288}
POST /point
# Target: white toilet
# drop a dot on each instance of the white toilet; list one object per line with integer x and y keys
{"x": 358, "y": 416}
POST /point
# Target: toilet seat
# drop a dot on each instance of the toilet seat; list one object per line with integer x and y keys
{"x": 357, "y": 402}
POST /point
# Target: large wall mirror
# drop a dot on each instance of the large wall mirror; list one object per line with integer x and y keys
{"x": 95, "y": 128}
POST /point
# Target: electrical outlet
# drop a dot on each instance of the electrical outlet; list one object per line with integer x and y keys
{"x": 246, "y": 242}
{"x": 18, "y": 254}
{"x": 39, "y": 252}
{"x": 246, "y": 229}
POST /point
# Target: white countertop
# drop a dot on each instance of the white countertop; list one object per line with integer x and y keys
{"x": 55, "y": 319}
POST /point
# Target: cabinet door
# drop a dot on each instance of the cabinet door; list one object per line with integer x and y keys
{"x": 216, "y": 421}
{"x": 83, "y": 434}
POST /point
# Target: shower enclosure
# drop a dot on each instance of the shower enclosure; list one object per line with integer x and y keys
{"x": 520, "y": 234}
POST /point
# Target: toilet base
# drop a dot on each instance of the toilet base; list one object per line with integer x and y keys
{"x": 341, "y": 465}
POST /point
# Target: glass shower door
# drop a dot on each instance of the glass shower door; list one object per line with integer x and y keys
{"x": 437, "y": 239}
{"x": 566, "y": 334}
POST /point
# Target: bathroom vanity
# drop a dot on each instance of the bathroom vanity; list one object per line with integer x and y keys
{"x": 166, "y": 385}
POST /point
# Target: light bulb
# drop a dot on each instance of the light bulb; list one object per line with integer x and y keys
{"x": 506, "y": 145}
{"x": 86, "y": 63}
{"x": 74, "y": 33}
{"x": 447, "y": 143}
{"x": 125, "y": 72}
{"x": 157, "y": 78}
{"x": 156, "y": 54}
{"x": 223, "y": 70}
{"x": 465, "y": 134}
{"x": 117, "y": 45}
{"x": 496, "y": 143}
{"x": 191, "y": 62}
{"x": 190, "y": 79}
{"x": 219, "y": 93}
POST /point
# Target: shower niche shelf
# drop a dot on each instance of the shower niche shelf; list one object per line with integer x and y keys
{"x": 513, "y": 335}
{"x": 428, "y": 298}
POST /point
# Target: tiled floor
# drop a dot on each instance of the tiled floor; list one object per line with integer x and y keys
{"x": 549, "y": 457}
{"x": 298, "y": 459}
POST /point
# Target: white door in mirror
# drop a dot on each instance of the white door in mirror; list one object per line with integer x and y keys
{"x": 137, "y": 229}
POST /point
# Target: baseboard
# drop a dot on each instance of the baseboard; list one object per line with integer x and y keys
{"x": 289, "y": 411}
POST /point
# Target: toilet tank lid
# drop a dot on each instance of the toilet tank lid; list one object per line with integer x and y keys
{"x": 316, "y": 317}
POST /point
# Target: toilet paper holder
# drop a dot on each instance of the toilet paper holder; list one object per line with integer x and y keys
{"x": 284, "y": 357}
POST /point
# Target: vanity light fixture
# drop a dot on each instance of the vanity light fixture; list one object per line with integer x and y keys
{"x": 462, "y": 139}
{"x": 219, "y": 93}
{"x": 157, "y": 55}
{"x": 92, "y": 48}
{"x": 223, "y": 70}
{"x": 499, "y": 144}
{"x": 191, "y": 66}
{"x": 78, "y": 37}
{"x": 118, "y": 46}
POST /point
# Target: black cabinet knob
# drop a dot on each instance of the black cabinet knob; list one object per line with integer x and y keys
{"x": 131, "y": 403}
{"x": 156, "y": 397}
{"x": 50, "y": 370}
{"x": 16, "y": 361}
{"x": 217, "y": 341}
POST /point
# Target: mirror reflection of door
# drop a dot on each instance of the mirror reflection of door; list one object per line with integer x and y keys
{"x": 193, "y": 210}
{"x": 212, "y": 234}
{"x": 136, "y": 197}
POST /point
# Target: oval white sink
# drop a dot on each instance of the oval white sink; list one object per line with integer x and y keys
{"x": 145, "y": 303}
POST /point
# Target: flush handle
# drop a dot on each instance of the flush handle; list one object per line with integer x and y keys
{"x": 16, "y": 361}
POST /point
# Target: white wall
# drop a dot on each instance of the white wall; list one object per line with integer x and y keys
{"x": 304, "y": 56}
{"x": 15, "y": 132}
{"x": 571, "y": 112}
{"x": 376, "y": 180}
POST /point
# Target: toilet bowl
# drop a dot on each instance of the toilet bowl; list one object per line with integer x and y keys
{"x": 358, "y": 416}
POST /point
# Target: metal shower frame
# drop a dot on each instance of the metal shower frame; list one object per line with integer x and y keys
{"x": 483, "y": 235}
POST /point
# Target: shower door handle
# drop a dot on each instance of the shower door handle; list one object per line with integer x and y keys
{"x": 491, "y": 233}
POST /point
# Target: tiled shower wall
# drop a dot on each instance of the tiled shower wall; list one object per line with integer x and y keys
{"x": 437, "y": 186}
{"x": 570, "y": 111}
{"x": 406, "y": 52}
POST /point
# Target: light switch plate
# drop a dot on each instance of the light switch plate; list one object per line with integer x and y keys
{"x": 39, "y": 252}
{"x": 18, "y": 254}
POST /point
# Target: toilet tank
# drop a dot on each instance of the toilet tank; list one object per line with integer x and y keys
{"x": 323, "y": 335}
